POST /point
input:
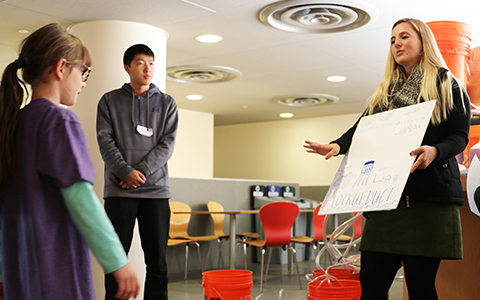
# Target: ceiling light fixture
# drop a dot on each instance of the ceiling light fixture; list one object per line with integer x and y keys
{"x": 286, "y": 115}
{"x": 336, "y": 78}
{"x": 202, "y": 74}
{"x": 194, "y": 97}
{"x": 318, "y": 16}
{"x": 209, "y": 38}
{"x": 305, "y": 100}
{"x": 23, "y": 31}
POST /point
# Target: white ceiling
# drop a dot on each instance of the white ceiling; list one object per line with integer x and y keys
{"x": 273, "y": 62}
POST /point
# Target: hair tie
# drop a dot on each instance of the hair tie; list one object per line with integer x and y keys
{"x": 19, "y": 64}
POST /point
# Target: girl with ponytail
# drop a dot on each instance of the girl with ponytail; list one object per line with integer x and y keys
{"x": 50, "y": 215}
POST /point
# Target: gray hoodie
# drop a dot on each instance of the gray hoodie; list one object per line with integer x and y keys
{"x": 124, "y": 149}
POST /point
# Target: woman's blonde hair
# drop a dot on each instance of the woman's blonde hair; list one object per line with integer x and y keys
{"x": 430, "y": 61}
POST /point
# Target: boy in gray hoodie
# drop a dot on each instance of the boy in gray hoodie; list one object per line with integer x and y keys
{"x": 136, "y": 129}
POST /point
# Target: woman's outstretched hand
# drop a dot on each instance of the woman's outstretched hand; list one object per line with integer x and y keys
{"x": 327, "y": 150}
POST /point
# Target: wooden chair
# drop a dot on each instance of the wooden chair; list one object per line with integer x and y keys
{"x": 179, "y": 227}
{"x": 313, "y": 242}
{"x": 175, "y": 242}
{"x": 218, "y": 221}
{"x": 277, "y": 220}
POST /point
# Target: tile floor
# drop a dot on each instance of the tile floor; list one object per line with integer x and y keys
{"x": 192, "y": 288}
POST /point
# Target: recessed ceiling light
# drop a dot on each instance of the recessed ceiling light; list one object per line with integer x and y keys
{"x": 286, "y": 115}
{"x": 194, "y": 97}
{"x": 23, "y": 31}
{"x": 209, "y": 38}
{"x": 336, "y": 78}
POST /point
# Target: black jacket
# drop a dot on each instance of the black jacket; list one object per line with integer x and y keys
{"x": 440, "y": 181}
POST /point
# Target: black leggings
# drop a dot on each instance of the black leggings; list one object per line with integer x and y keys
{"x": 379, "y": 269}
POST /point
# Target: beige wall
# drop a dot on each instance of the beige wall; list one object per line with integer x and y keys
{"x": 193, "y": 154}
{"x": 274, "y": 150}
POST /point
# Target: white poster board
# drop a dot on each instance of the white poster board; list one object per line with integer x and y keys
{"x": 375, "y": 170}
{"x": 473, "y": 185}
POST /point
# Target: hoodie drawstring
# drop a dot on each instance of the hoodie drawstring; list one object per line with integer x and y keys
{"x": 133, "y": 108}
{"x": 148, "y": 110}
{"x": 139, "y": 110}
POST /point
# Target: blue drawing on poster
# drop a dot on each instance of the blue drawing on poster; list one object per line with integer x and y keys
{"x": 365, "y": 174}
{"x": 342, "y": 180}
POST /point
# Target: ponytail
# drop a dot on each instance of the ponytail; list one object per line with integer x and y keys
{"x": 12, "y": 94}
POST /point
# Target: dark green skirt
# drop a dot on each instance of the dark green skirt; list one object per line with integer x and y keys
{"x": 423, "y": 229}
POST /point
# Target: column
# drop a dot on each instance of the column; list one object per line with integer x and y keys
{"x": 107, "y": 41}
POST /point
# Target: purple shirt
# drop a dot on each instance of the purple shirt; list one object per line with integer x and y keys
{"x": 44, "y": 256}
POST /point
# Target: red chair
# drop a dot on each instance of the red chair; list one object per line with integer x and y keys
{"x": 357, "y": 232}
{"x": 317, "y": 238}
{"x": 277, "y": 221}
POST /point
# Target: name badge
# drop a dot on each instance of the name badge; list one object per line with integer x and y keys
{"x": 144, "y": 130}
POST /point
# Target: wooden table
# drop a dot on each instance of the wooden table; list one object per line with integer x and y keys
{"x": 232, "y": 231}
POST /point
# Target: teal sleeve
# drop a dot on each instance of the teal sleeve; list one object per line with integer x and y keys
{"x": 94, "y": 225}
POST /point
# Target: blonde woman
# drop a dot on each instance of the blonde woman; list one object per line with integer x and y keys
{"x": 425, "y": 227}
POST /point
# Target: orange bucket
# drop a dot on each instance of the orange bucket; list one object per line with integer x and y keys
{"x": 473, "y": 83}
{"x": 453, "y": 40}
{"x": 241, "y": 291}
{"x": 473, "y": 139}
{"x": 334, "y": 289}
{"x": 456, "y": 57}
{"x": 227, "y": 276}
{"x": 451, "y": 31}
{"x": 339, "y": 273}
{"x": 227, "y": 284}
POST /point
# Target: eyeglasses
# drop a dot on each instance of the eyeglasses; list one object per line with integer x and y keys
{"x": 85, "y": 70}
